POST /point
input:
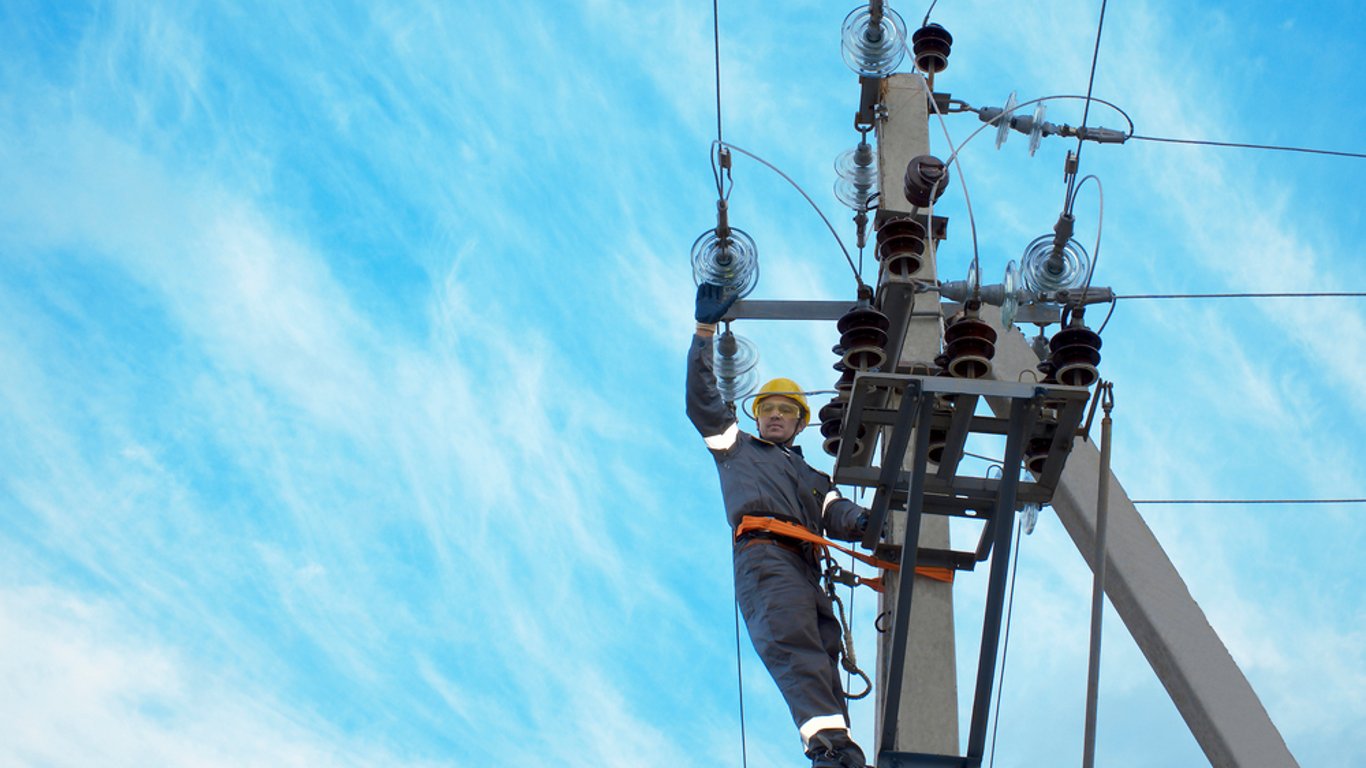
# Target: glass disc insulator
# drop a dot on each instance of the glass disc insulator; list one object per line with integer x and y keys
{"x": 732, "y": 262}
{"x": 1003, "y": 127}
{"x": 1042, "y": 274}
{"x": 873, "y": 50}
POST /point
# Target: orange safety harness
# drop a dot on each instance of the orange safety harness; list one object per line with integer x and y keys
{"x": 773, "y": 525}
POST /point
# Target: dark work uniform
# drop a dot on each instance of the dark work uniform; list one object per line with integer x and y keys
{"x": 789, "y": 616}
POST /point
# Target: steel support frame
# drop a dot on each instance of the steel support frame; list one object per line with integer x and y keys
{"x": 908, "y": 423}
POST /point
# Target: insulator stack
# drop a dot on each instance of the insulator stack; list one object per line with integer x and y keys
{"x": 845, "y": 385}
{"x": 832, "y": 414}
{"x": 856, "y": 185}
{"x": 873, "y": 47}
{"x": 727, "y": 258}
{"x": 734, "y": 360}
{"x": 926, "y": 179}
{"x": 863, "y": 338}
{"x": 901, "y": 245}
{"x": 931, "y": 45}
{"x": 1075, "y": 353}
{"x": 969, "y": 345}
{"x": 832, "y": 427}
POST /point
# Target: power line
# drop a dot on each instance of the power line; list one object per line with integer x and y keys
{"x": 1086, "y": 110}
{"x": 1284, "y": 295}
{"x": 1237, "y": 145}
{"x": 1248, "y": 501}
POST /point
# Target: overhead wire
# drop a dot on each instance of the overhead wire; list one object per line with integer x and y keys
{"x": 962, "y": 178}
{"x": 723, "y": 193}
{"x": 1086, "y": 110}
{"x": 858, "y": 277}
{"x": 1005, "y": 644}
{"x": 1249, "y": 501}
{"x": 1249, "y": 295}
{"x": 1239, "y": 145}
{"x": 1246, "y": 295}
{"x": 928, "y": 11}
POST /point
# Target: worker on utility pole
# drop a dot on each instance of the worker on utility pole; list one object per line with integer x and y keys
{"x": 777, "y": 578}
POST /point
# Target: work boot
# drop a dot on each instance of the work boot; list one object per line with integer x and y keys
{"x": 833, "y": 748}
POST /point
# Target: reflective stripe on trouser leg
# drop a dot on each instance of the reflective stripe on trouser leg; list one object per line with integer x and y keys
{"x": 794, "y": 630}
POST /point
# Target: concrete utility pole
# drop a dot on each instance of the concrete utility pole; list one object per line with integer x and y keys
{"x": 1211, "y": 692}
{"x": 928, "y": 720}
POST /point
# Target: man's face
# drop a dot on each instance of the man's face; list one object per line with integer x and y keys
{"x": 780, "y": 418}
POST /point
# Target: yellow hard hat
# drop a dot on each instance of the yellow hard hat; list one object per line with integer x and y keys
{"x": 786, "y": 388}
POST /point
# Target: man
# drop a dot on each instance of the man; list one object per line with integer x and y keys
{"x": 777, "y": 579}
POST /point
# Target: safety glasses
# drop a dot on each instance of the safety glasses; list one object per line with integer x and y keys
{"x": 771, "y": 407}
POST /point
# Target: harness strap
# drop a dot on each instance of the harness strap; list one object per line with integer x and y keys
{"x": 778, "y": 527}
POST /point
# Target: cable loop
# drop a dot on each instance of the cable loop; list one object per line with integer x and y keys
{"x": 847, "y": 658}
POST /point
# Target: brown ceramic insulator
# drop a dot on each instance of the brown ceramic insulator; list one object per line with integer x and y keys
{"x": 936, "y": 446}
{"x": 1036, "y": 454}
{"x": 831, "y": 416}
{"x": 969, "y": 345}
{"x": 901, "y": 246}
{"x": 926, "y": 180}
{"x": 931, "y": 44}
{"x": 863, "y": 338}
{"x": 1075, "y": 353}
{"x": 845, "y": 385}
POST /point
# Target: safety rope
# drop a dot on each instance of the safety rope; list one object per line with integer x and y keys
{"x": 847, "y": 658}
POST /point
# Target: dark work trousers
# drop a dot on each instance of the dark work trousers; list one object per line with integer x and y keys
{"x": 793, "y": 628}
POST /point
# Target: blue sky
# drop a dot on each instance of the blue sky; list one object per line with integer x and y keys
{"x": 342, "y": 355}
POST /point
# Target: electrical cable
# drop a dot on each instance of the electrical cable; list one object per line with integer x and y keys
{"x": 997, "y": 462}
{"x": 740, "y": 683}
{"x": 1086, "y": 111}
{"x": 802, "y": 192}
{"x": 1005, "y": 644}
{"x": 1285, "y": 295}
{"x": 1237, "y": 145}
{"x": 1108, "y": 315}
{"x": 962, "y": 179}
{"x": 1248, "y": 501}
{"x": 928, "y": 11}
{"x": 716, "y": 48}
{"x": 1100, "y": 224}
{"x": 723, "y": 193}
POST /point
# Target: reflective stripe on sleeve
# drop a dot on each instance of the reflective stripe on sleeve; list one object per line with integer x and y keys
{"x": 724, "y": 440}
{"x": 821, "y": 723}
{"x": 829, "y": 497}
